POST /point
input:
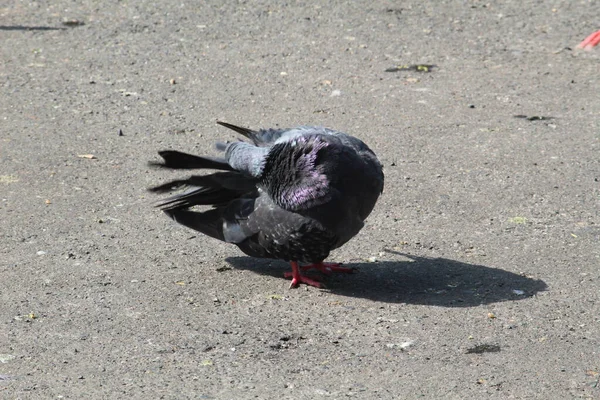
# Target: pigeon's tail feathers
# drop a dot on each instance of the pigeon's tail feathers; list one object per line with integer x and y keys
{"x": 194, "y": 196}
{"x": 221, "y": 222}
{"x": 170, "y": 186}
{"x": 214, "y": 189}
{"x": 209, "y": 222}
{"x": 178, "y": 160}
{"x": 228, "y": 180}
{"x": 249, "y": 133}
{"x": 262, "y": 138}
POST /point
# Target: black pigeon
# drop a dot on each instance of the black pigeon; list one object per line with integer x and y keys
{"x": 291, "y": 194}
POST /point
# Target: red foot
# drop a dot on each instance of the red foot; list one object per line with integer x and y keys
{"x": 298, "y": 278}
{"x": 328, "y": 268}
{"x": 590, "y": 41}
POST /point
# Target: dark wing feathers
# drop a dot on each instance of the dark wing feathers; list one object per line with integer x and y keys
{"x": 178, "y": 160}
{"x": 286, "y": 235}
{"x": 207, "y": 222}
{"x": 213, "y": 189}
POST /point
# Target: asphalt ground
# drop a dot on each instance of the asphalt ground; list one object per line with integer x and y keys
{"x": 478, "y": 271}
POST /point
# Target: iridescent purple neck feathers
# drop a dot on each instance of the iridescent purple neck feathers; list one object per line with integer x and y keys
{"x": 295, "y": 173}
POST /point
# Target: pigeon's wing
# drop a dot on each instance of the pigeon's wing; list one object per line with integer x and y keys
{"x": 221, "y": 222}
{"x": 212, "y": 189}
{"x": 261, "y": 229}
{"x": 285, "y": 235}
{"x": 365, "y": 154}
{"x": 368, "y": 172}
{"x": 173, "y": 159}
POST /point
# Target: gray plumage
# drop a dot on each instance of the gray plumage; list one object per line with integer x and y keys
{"x": 291, "y": 194}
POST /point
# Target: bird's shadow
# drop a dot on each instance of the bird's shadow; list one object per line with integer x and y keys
{"x": 417, "y": 280}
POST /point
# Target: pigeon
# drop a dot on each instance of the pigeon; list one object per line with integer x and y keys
{"x": 289, "y": 194}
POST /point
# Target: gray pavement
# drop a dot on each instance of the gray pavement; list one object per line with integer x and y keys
{"x": 478, "y": 270}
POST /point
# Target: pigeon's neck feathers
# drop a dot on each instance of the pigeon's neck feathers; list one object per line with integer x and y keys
{"x": 246, "y": 158}
{"x": 295, "y": 172}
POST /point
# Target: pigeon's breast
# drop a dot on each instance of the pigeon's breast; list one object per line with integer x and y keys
{"x": 308, "y": 242}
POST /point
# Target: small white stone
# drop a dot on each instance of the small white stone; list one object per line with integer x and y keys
{"x": 406, "y": 345}
{"x": 4, "y": 358}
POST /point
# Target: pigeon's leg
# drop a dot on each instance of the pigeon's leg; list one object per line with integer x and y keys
{"x": 298, "y": 278}
{"x": 328, "y": 268}
{"x": 590, "y": 41}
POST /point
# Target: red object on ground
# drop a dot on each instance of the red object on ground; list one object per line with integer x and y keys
{"x": 590, "y": 41}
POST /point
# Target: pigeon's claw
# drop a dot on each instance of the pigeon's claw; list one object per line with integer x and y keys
{"x": 328, "y": 268}
{"x": 298, "y": 278}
